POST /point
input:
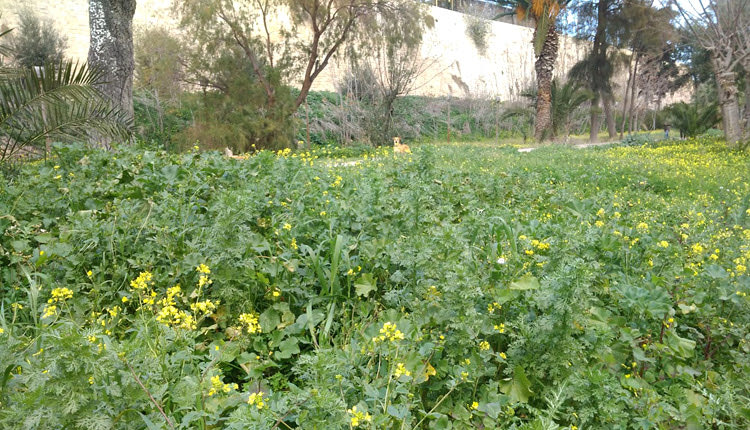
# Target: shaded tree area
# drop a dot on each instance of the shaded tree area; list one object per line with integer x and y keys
{"x": 597, "y": 69}
{"x": 546, "y": 42}
{"x": 265, "y": 66}
{"x": 722, "y": 30}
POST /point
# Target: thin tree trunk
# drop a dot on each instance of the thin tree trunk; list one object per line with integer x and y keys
{"x": 599, "y": 79}
{"x": 633, "y": 94}
{"x": 596, "y": 118}
{"x": 730, "y": 108}
{"x": 449, "y": 121}
{"x": 747, "y": 101}
{"x": 609, "y": 114}
{"x": 111, "y": 49}
{"x": 625, "y": 100}
{"x": 544, "y": 66}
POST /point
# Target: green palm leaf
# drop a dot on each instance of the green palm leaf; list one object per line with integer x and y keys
{"x": 58, "y": 101}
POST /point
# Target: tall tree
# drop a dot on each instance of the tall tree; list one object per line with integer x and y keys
{"x": 646, "y": 30}
{"x": 546, "y": 42}
{"x": 111, "y": 49}
{"x": 281, "y": 43}
{"x": 595, "y": 71}
{"x": 722, "y": 27}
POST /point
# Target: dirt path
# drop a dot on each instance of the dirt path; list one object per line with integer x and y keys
{"x": 576, "y": 146}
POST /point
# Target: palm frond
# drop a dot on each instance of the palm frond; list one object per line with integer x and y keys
{"x": 5, "y": 50}
{"x": 58, "y": 101}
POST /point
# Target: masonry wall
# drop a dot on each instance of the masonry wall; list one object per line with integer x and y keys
{"x": 458, "y": 68}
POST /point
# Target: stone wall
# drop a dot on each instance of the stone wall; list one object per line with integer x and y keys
{"x": 457, "y": 67}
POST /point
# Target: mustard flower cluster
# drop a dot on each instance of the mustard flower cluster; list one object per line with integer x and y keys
{"x": 401, "y": 371}
{"x": 358, "y": 417}
{"x": 59, "y": 295}
{"x": 218, "y": 386}
{"x": 257, "y": 400}
{"x": 204, "y": 308}
{"x": 390, "y": 332}
{"x": 250, "y": 323}
{"x": 142, "y": 282}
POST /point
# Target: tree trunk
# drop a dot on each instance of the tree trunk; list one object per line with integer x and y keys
{"x": 633, "y": 95}
{"x": 609, "y": 114}
{"x": 111, "y": 49}
{"x": 599, "y": 79}
{"x": 726, "y": 85}
{"x": 747, "y": 101}
{"x": 625, "y": 100}
{"x": 596, "y": 118}
{"x": 544, "y": 66}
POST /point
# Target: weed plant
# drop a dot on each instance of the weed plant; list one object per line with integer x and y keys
{"x": 459, "y": 287}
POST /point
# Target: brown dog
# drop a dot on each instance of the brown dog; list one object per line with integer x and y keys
{"x": 398, "y": 148}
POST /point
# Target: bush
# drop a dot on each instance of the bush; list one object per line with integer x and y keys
{"x": 158, "y": 66}
{"x": 36, "y": 42}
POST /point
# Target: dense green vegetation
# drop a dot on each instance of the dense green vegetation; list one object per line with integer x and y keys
{"x": 462, "y": 286}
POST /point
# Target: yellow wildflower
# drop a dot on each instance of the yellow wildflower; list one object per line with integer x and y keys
{"x": 401, "y": 370}
{"x": 250, "y": 322}
{"x": 204, "y": 308}
{"x": 60, "y": 295}
{"x": 484, "y": 345}
{"x": 257, "y": 400}
{"x": 143, "y": 280}
{"x": 202, "y": 268}
{"x": 358, "y": 416}
{"x": 49, "y": 310}
{"x": 389, "y": 331}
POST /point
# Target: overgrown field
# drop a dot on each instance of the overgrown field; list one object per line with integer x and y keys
{"x": 462, "y": 286}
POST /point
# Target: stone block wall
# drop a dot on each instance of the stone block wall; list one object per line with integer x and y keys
{"x": 458, "y": 68}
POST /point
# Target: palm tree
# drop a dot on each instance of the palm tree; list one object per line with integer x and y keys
{"x": 693, "y": 119}
{"x": 53, "y": 102}
{"x": 566, "y": 98}
{"x": 544, "y": 13}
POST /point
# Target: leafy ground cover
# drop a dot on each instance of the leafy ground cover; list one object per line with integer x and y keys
{"x": 462, "y": 286}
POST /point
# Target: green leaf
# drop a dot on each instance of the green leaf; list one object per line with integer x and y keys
{"x": 399, "y": 412}
{"x": 716, "y": 272}
{"x": 365, "y": 285}
{"x": 526, "y": 282}
{"x": 287, "y": 348}
{"x": 442, "y": 423}
{"x": 679, "y": 345}
{"x": 269, "y": 320}
{"x": 518, "y": 388}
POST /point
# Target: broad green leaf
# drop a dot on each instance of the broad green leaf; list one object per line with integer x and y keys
{"x": 518, "y": 388}
{"x": 288, "y": 347}
{"x": 525, "y": 282}
{"x": 365, "y": 285}
{"x": 679, "y": 345}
